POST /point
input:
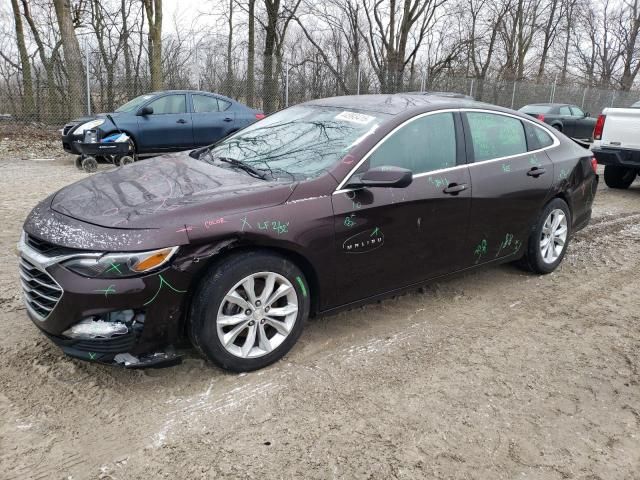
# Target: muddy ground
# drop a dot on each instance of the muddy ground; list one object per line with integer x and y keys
{"x": 490, "y": 375}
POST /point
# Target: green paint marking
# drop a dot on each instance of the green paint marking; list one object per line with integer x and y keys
{"x": 302, "y": 287}
{"x": 115, "y": 267}
{"x": 107, "y": 291}
{"x": 376, "y": 232}
{"x": 92, "y": 355}
{"x": 162, "y": 283}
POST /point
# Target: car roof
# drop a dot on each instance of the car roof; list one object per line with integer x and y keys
{"x": 550, "y": 105}
{"x": 394, "y": 104}
{"x": 203, "y": 92}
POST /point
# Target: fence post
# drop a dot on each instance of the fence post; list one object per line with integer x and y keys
{"x": 471, "y": 87}
{"x": 286, "y": 84}
{"x": 359, "y": 73}
{"x": 584, "y": 96}
{"x": 553, "y": 89}
{"x": 513, "y": 94}
{"x": 613, "y": 96}
{"x": 86, "y": 53}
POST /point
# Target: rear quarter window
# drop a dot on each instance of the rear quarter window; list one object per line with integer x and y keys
{"x": 495, "y": 136}
{"x": 537, "y": 137}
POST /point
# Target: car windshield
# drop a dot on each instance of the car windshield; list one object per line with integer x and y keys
{"x": 536, "y": 109}
{"x": 302, "y": 141}
{"x": 132, "y": 105}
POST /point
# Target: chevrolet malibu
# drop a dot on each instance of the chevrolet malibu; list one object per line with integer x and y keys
{"x": 319, "y": 207}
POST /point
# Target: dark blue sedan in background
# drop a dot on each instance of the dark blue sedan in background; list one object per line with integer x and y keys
{"x": 167, "y": 121}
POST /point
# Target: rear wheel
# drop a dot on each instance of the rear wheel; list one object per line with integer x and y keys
{"x": 618, "y": 177}
{"x": 557, "y": 126}
{"x": 549, "y": 238}
{"x": 249, "y": 311}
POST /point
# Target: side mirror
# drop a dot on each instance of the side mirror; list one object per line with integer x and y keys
{"x": 145, "y": 111}
{"x": 389, "y": 177}
{"x": 587, "y": 114}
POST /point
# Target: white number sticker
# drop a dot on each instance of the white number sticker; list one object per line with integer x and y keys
{"x": 354, "y": 117}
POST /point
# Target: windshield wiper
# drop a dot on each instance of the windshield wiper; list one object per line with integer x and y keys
{"x": 243, "y": 166}
{"x": 254, "y": 172}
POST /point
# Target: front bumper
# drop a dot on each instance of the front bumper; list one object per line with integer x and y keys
{"x": 57, "y": 299}
{"x": 617, "y": 157}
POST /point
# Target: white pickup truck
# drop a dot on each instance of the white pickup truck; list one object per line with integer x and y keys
{"x": 616, "y": 145}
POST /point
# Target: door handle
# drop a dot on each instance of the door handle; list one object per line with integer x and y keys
{"x": 182, "y": 120}
{"x": 535, "y": 172}
{"x": 228, "y": 119}
{"x": 455, "y": 188}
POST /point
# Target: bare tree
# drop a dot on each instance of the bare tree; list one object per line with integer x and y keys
{"x": 28, "y": 105}
{"x": 72, "y": 56}
{"x": 153, "y": 9}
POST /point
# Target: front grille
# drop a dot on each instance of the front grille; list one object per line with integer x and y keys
{"x": 47, "y": 248}
{"x": 41, "y": 291}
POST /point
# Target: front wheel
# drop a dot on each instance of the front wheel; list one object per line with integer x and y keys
{"x": 618, "y": 177}
{"x": 249, "y": 311}
{"x": 549, "y": 238}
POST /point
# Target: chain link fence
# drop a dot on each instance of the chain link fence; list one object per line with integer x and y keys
{"x": 294, "y": 84}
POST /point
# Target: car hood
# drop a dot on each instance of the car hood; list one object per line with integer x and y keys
{"x": 166, "y": 191}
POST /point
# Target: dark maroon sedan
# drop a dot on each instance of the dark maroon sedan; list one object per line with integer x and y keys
{"x": 316, "y": 208}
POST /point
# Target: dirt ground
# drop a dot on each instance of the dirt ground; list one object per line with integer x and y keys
{"x": 496, "y": 374}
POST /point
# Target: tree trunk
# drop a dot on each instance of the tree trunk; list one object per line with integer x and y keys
{"x": 269, "y": 84}
{"x": 126, "y": 51}
{"x": 229, "y": 77}
{"x": 251, "y": 55}
{"x": 72, "y": 57}
{"x": 28, "y": 106}
{"x": 153, "y": 9}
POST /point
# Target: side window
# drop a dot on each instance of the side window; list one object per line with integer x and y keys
{"x": 495, "y": 136}
{"x": 576, "y": 112}
{"x": 204, "y": 104}
{"x": 537, "y": 137}
{"x": 565, "y": 111}
{"x": 169, "y": 104}
{"x": 223, "y": 104}
{"x": 425, "y": 144}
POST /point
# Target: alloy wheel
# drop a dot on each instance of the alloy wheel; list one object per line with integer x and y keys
{"x": 257, "y": 315}
{"x": 554, "y": 236}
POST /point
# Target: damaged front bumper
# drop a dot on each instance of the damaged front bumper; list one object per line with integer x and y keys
{"x": 130, "y": 322}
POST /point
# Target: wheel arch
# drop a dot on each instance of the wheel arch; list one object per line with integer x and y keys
{"x": 300, "y": 260}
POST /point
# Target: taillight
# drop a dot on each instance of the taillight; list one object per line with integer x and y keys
{"x": 540, "y": 117}
{"x": 260, "y": 116}
{"x": 594, "y": 164}
{"x": 597, "y": 130}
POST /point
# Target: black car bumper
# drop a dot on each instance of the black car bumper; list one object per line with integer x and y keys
{"x": 617, "y": 157}
{"x": 147, "y": 314}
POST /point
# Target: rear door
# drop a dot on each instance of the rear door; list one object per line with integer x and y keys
{"x": 511, "y": 177}
{"x": 388, "y": 238}
{"x": 168, "y": 127}
{"x": 212, "y": 118}
{"x": 583, "y": 125}
{"x": 568, "y": 121}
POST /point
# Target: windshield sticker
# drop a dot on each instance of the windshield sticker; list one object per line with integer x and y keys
{"x": 354, "y": 117}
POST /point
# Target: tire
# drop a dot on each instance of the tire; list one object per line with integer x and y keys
{"x": 90, "y": 164}
{"x": 211, "y": 305}
{"x": 78, "y": 162}
{"x": 538, "y": 259}
{"x": 126, "y": 160}
{"x": 618, "y": 177}
{"x": 557, "y": 126}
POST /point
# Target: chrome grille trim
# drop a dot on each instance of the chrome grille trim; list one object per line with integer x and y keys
{"x": 41, "y": 292}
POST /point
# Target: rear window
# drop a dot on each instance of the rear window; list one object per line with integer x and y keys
{"x": 495, "y": 136}
{"x": 536, "y": 109}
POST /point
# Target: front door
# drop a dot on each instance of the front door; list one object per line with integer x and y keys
{"x": 168, "y": 127}
{"x": 510, "y": 185}
{"x": 388, "y": 238}
{"x": 583, "y": 127}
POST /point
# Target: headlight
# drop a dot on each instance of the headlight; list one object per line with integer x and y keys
{"x": 118, "y": 265}
{"x": 88, "y": 126}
